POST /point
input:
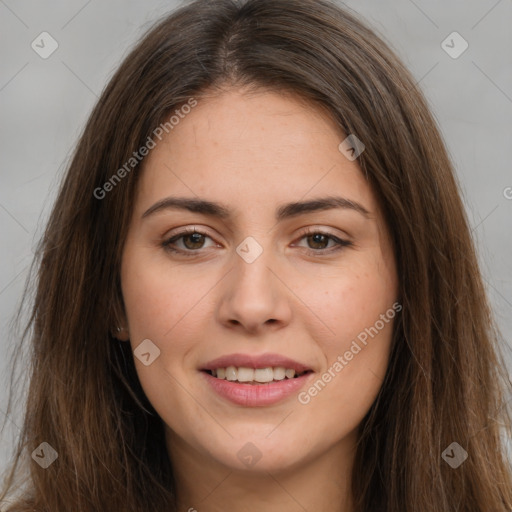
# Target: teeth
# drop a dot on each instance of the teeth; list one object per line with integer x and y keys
{"x": 246, "y": 374}
{"x": 263, "y": 374}
{"x": 231, "y": 373}
{"x": 279, "y": 373}
{"x": 251, "y": 375}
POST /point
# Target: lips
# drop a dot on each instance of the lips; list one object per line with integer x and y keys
{"x": 255, "y": 380}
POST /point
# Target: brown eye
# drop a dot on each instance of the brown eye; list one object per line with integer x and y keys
{"x": 319, "y": 240}
{"x": 196, "y": 240}
{"x": 187, "y": 242}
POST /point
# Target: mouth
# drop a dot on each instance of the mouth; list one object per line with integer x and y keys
{"x": 255, "y": 376}
{"x": 255, "y": 380}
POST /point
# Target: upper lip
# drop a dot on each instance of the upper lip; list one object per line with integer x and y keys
{"x": 255, "y": 361}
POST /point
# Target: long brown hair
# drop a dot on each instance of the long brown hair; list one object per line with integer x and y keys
{"x": 446, "y": 377}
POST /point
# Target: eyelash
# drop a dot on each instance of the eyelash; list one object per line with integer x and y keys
{"x": 340, "y": 243}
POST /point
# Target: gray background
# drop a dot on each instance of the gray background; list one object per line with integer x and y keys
{"x": 45, "y": 102}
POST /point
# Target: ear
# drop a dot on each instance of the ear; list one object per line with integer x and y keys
{"x": 119, "y": 323}
{"x": 121, "y": 333}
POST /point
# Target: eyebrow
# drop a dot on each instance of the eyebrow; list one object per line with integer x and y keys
{"x": 284, "y": 211}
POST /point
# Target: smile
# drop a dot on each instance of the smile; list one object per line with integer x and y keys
{"x": 255, "y": 380}
{"x": 255, "y": 376}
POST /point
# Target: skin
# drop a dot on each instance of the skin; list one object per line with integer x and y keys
{"x": 253, "y": 152}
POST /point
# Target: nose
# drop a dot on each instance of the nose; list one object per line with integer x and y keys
{"x": 254, "y": 296}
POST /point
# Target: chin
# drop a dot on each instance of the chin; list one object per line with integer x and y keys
{"x": 258, "y": 453}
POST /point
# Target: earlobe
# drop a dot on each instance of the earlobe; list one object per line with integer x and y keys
{"x": 118, "y": 318}
{"x": 120, "y": 333}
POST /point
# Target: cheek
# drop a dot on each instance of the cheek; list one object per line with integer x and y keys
{"x": 351, "y": 298}
{"x": 360, "y": 308}
{"x": 160, "y": 298}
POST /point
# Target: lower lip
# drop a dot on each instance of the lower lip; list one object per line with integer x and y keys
{"x": 256, "y": 395}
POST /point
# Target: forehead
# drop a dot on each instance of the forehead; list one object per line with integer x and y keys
{"x": 252, "y": 151}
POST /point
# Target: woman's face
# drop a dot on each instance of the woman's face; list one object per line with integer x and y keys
{"x": 268, "y": 287}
